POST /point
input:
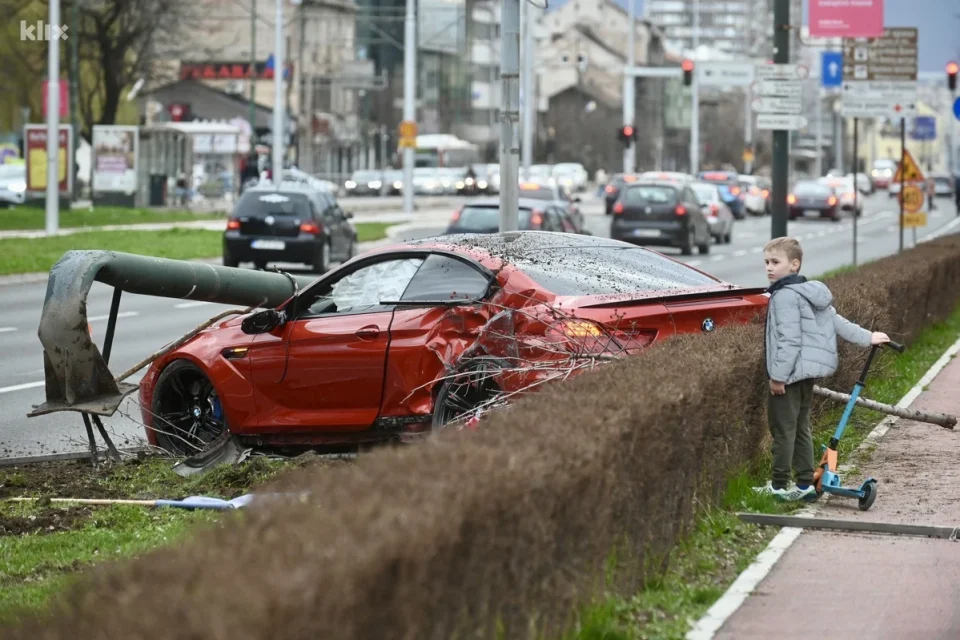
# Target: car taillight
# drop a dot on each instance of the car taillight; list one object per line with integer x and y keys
{"x": 735, "y": 190}
{"x": 766, "y": 194}
{"x": 680, "y": 210}
{"x": 456, "y": 214}
{"x": 618, "y": 208}
{"x": 610, "y": 188}
{"x": 791, "y": 199}
{"x": 233, "y": 224}
{"x": 536, "y": 218}
{"x": 311, "y": 228}
{"x": 714, "y": 209}
{"x": 832, "y": 200}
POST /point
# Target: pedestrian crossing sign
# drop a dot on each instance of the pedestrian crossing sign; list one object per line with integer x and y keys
{"x": 909, "y": 170}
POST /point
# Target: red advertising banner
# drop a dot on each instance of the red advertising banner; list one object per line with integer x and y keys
{"x": 846, "y": 18}
{"x": 35, "y": 152}
{"x": 64, "y": 99}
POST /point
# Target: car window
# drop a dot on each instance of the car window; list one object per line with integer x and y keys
{"x": 260, "y": 204}
{"x": 705, "y": 193}
{"x": 812, "y": 189}
{"x": 362, "y": 290}
{"x": 483, "y": 219}
{"x": 551, "y": 221}
{"x": 536, "y": 192}
{"x": 649, "y": 194}
{"x": 442, "y": 278}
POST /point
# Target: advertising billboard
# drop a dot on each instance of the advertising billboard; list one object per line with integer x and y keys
{"x": 35, "y": 150}
{"x": 115, "y": 151}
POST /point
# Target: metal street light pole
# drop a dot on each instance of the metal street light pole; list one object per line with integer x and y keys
{"x": 695, "y": 90}
{"x": 253, "y": 68}
{"x": 509, "y": 114}
{"x": 53, "y": 124}
{"x": 529, "y": 102}
{"x": 279, "y": 146}
{"x": 409, "y": 98}
{"x": 629, "y": 85}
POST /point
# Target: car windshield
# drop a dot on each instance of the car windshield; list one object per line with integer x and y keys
{"x": 706, "y": 192}
{"x": 885, "y": 164}
{"x": 812, "y": 190}
{"x": 649, "y": 194}
{"x": 260, "y": 204}
{"x": 614, "y": 269}
{"x": 536, "y": 192}
{"x": 941, "y": 180}
{"x": 13, "y": 171}
{"x": 485, "y": 219}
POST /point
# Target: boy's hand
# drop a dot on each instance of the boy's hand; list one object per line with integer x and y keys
{"x": 878, "y": 337}
{"x": 777, "y": 388}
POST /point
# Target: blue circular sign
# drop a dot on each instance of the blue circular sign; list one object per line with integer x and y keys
{"x": 956, "y": 108}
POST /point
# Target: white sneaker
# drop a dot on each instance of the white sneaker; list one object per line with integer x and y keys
{"x": 791, "y": 494}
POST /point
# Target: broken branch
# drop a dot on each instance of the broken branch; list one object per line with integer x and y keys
{"x": 941, "y": 419}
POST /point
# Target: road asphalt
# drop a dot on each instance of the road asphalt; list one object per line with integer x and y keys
{"x": 147, "y": 323}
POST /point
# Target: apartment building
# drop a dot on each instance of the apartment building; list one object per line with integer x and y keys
{"x": 741, "y": 28}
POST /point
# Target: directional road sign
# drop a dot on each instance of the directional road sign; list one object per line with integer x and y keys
{"x": 778, "y": 104}
{"x": 725, "y": 74}
{"x": 956, "y": 108}
{"x": 781, "y": 121}
{"x": 831, "y": 69}
{"x": 880, "y": 75}
{"x": 784, "y": 88}
{"x": 781, "y": 71}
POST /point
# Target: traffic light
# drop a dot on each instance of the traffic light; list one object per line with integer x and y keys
{"x": 687, "y": 66}
{"x": 627, "y": 134}
{"x": 952, "y": 68}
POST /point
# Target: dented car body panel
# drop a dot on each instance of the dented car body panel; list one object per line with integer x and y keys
{"x": 365, "y": 348}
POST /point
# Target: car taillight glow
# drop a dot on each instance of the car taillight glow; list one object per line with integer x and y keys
{"x": 456, "y": 214}
{"x": 766, "y": 194}
{"x": 610, "y": 188}
{"x": 311, "y": 228}
{"x": 714, "y": 209}
{"x": 832, "y": 200}
{"x": 791, "y": 199}
{"x": 735, "y": 190}
{"x": 618, "y": 208}
{"x": 233, "y": 224}
{"x": 536, "y": 218}
{"x": 680, "y": 210}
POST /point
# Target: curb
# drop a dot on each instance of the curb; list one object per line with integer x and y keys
{"x": 747, "y": 582}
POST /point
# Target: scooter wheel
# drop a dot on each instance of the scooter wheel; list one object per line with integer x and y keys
{"x": 869, "y": 495}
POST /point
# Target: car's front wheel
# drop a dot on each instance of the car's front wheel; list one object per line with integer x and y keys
{"x": 187, "y": 412}
{"x": 469, "y": 390}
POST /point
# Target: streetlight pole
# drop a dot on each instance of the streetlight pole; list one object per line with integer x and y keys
{"x": 509, "y": 114}
{"x": 529, "y": 103}
{"x": 409, "y": 98}
{"x": 53, "y": 124}
{"x": 279, "y": 139}
{"x": 253, "y": 68}
{"x": 629, "y": 85}
{"x": 74, "y": 87}
{"x": 695, "y": 90}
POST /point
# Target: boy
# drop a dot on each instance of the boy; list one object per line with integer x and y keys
{"x": 801, "y": 344}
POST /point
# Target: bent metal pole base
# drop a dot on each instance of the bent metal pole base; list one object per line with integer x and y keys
{"x": 850, "y": 526}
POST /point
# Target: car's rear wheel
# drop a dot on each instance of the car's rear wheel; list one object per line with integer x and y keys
{"x": 687, "y": 247}
{"x": 229, "y": 260}
{"x": 728, "y": 238}
{"x": 468, "y": 390}
{"x": 187, "y": 412}
{"x": 321, "y": 258}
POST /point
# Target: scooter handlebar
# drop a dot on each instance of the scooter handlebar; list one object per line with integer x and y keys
{"x": 896, "y": 346}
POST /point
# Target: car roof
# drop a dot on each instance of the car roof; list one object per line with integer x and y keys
{"x": 524, "y": 203}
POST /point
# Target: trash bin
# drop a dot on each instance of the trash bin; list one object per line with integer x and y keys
{"x": 158, "y": 190}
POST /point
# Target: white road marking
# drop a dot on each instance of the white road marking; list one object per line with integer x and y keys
{"x": 718, "y": 258}
{"x": 742, "y": 252}
{"x": 7, "y": 329}
{"x": 695, "y": 263}
{"x": 21, "y": 387}
{"x": 756, "y": 250}
{"x": 122, "y": 314}
{"x": 822, "y": 234}
{"x": 190, "y": 305}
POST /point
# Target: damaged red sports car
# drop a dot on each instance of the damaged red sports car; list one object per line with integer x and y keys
{"x": 405, "y": 339}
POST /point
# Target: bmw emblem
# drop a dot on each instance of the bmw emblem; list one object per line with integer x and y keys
{"x": 708, "y": 325}
{"x": 269, "y": 219}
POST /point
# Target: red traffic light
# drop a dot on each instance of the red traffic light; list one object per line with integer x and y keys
{"x": 952, "y": 68}
{"x": 687, "y": 65}
{"x": 628, "y": 131}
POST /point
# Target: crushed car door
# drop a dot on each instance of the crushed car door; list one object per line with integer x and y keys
{"x": 336, "y": 349}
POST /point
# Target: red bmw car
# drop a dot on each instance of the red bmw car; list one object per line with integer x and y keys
{"x": 378, "y": 348}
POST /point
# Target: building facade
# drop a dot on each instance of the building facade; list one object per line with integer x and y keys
{"x": 741, "y": 28}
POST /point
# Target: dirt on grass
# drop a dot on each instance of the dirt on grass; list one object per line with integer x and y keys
{"x": 49, "y": 520}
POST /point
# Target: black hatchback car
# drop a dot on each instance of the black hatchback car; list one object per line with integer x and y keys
{"x": 288, "y": 224}
{"x": 483, "y": 216}
{"x": 661, "y": 213}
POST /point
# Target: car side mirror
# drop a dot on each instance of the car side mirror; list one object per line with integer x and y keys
{"x": 262, "y": 321}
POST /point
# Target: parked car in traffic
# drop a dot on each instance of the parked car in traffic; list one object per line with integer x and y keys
{"x": 882, "y": 172}
{"x": 288, "y": 223}
{"x": 571, "y": 175}
{"x": 850, "y": 198}
{"x": 756, "y": 190}
{"x": 943, "y": 185}
{"x": 718, "y": 213}
{"x": 13, "y": 184}
{"x": 364, "y": 183}
{"x": 612, "y": 191}
{"x": 730, "y": 190}
{"x": 811, "y": 199}
{"x": 662, "y": 214}
{"x": 554, "y": 193}
{"x": 483, "y": 216}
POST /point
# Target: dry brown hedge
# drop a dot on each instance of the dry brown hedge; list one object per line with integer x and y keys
{"x": 508, "y": 527}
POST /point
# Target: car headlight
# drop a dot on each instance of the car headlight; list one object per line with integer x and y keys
{"x": 469, "y": 181}
{"x": 482, "y": 184}
{"x": 350, "y": 184}
{"x": 375, "y": 184}
{"x": 17, "y": 187}
{"x": 398, "y": 184}
{"x": 460, "y": 185}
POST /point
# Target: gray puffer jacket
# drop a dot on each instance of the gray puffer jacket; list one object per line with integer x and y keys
{"x": 802, "y": 330}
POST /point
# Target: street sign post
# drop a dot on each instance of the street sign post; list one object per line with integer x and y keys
{"x": 778, "y": 96}
{"x": 908, "y": 169}
{"x": 725, "y": 74}
{"x": 880, "y": 75}
{"x": 831, "y": 69}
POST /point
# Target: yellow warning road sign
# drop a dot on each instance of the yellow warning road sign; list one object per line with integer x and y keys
{"x": 913, "y": 220}
{"x": 913, "y": 198}
{"x": 748, "y": 155}
{"x": 909, "y": 170}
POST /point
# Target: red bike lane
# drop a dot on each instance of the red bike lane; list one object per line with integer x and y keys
{"x": 875, "y": 586}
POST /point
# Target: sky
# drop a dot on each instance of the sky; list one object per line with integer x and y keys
{"x": 937, "y": 20}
